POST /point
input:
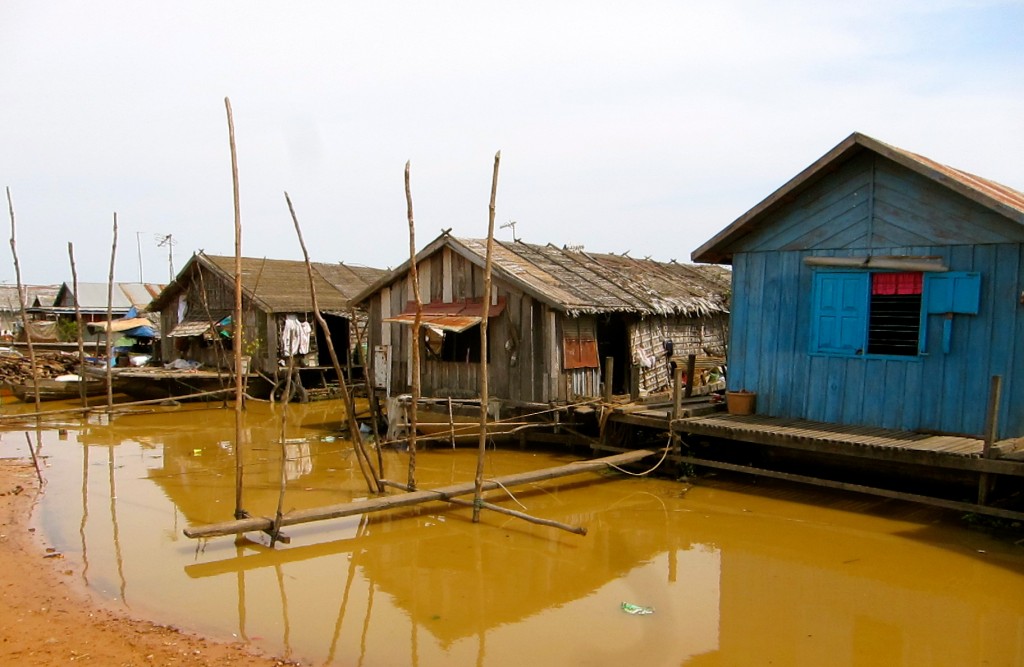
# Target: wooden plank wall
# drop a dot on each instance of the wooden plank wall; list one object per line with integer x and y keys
{"x": 769, "y": 348}
{"x": 519, "y": 358}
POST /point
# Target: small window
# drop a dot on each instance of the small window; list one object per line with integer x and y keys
{"x": 860, "y": 312}
{"x": 894, "y": 320}
{"x": 885, "y": 313}
{"x": 463, "y": 346}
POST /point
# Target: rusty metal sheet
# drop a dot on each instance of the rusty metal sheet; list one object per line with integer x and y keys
{"x": 453, "y": 323}
{"x": 189, "y": 328}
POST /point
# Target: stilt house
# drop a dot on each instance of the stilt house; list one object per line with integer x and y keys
{"x": 879, "y": 288}
{"x": 555, "y": 315}
{"x": 196, "y": 311}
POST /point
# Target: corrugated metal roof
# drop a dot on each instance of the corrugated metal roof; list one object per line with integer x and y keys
{"x": 581, "y": 282}
{"x": 92, "y": 297}
{"x": 995, "y": 196}
{"x": 46, "y": 294}
{"x": 282, "y": 286}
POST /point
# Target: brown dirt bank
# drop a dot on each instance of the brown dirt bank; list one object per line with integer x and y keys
{"x": 48, "y": 618}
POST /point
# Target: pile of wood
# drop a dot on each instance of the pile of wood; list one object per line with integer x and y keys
{"x": 18, "y": 369}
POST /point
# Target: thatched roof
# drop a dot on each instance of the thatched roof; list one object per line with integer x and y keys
{"x": 579, "y": 282}
{"x": 281, "y": 285}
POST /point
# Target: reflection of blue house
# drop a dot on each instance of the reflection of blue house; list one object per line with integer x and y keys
{"x": 878, "y": 287}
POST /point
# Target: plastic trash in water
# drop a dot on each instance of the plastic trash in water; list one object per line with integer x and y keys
{"x": 636, "y": 609}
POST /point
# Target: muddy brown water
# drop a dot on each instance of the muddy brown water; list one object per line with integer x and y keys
{"x": 736, "y": 571}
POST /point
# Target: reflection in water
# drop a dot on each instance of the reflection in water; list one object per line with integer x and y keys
{"x": 737, "y": 572}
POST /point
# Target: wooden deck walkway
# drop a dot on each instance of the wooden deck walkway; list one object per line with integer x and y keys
{"x": 868, "y": 449}
{"x": 947, "y": 451}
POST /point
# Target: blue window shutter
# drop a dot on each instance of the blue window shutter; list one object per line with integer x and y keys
{"x": 947, "y": 293}
{"x": 953, "y": 292}
{"x": 840, "y": 312}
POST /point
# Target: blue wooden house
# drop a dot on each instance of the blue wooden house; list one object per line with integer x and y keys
{"x": 879, "y": 288}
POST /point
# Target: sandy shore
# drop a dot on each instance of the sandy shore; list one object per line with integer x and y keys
{"x": 48, "y": 618}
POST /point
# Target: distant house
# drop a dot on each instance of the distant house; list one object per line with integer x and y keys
{"x": 10, "y": 305}
{"x": 196, "y": 310}
{"x": 92, "y": 300}
{"x": 881, "y": 288}
{"x": 49, "y": 315}
{"x": 555, "y": 315}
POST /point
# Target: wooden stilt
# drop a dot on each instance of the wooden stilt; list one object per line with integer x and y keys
{"x": 991, "y": 429}
{"x": 415, "y": 497}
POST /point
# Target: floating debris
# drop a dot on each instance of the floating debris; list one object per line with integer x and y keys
{"x": 636, "y": 609}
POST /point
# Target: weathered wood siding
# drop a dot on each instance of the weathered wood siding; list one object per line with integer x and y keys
{"x": 873, "y": 206}
{"x": 525, "y": 339}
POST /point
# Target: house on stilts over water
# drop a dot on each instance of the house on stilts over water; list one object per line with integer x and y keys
{"x": 555, "y": 316}
{"x": 880, "y": 288}
{"x": 196, "y": 314}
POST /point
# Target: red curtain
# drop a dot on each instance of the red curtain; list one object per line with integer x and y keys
{"x": 886, "y": 284}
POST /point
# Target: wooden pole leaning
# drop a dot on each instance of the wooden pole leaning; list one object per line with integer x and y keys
{"x": 28, "y": 338}
{"x": 370, "y": 474}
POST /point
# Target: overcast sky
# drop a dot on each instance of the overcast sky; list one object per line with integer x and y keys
{"x": 623, "y": 126}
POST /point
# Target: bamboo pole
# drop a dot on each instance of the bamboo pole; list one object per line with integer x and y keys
{"x": 371, "y": 475}
{"x": 28, "y": 339}
{"x": 24, "y": 309}
{"x": 485, "y": 308}
{"x": 416, "y": 323}
{"x": 110, "y": 314}
{"x": 414, "y": 497}
{"x": 577, "y": 530}
{"x": 78, "y": 324}
{"x": 236, "y": 317}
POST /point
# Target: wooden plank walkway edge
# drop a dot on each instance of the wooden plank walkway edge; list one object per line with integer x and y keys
{"x": 412, "y": 498}
{"x": 804, "y": 436}
{"x": 856, "y": 488}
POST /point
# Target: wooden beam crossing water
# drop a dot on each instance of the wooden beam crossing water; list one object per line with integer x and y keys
{"x": 413, "y": 498}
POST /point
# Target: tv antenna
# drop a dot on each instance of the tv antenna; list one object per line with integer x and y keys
{"x": 512, "y": 224}
{"x": 167, "y": 240}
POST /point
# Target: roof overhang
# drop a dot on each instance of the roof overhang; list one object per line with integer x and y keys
{"x": 455, "y": 317}
{"x": 188, "y": 327}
